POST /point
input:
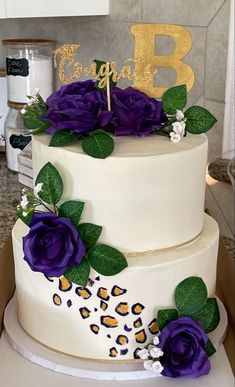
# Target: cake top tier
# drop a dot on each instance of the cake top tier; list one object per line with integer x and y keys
{"x": 147, "y": 195}
{"x": 132, "y": 146}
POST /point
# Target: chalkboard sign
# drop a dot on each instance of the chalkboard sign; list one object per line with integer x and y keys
{"x": 19, "y": 142}
{"x": 17, "y": 67}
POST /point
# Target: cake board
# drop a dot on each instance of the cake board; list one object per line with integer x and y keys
{"x": 34, "y": 362}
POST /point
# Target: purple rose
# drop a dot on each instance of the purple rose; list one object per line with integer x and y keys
{"x": 79, "y": 107}
{"x": 183, "y": 343}
{"x": 52, "y": 244}
{"x": 135, "y": 113}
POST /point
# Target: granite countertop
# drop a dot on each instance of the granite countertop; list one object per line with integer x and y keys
{"x": 10, "y": 193}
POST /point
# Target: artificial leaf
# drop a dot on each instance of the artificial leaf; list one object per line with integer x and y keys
{"x": 99, "y": 63}
{"x": 64, "y": 137}
{"x": 199, "y": 120}
{"x": 35, "y": 123}
{"x": 210, "y": 349}
{"x": 208, "y": 316}
{"x": 52, "y": 184}
{"x": 26, "y": 219}
{"x": 79, "y": 273}
{"x": 106, "y": 260}
{"x": 174, "y": 98}
{"x": 89, "y": 233}
{"x": 98, "y": 145}
{"x": 72, "y": 209}
{"x": 164, "y": 316}
{"x": 190, "y": 295}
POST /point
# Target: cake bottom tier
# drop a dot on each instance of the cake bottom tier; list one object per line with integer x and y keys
{"x": 113, "y": 316}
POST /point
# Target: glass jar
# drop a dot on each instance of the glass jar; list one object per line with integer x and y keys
{"x": 16, "y": 137}
{"x": 29, "y": 67}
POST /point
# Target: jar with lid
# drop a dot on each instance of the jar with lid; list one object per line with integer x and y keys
{"x": 29, "y": 67}
{"x": 16, "y": 136}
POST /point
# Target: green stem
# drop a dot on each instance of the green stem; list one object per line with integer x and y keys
{"x": 42, "y": 204}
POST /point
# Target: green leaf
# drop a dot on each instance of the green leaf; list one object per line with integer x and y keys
{"x": 89, "y": 233}
{"x": 99, "y": 63}
{"x": 164, "y": 316}
{"x": 199, "y": 120}
{"x": 52, "y": 189}
{"x": 209, "y": 348}
{"x": 106, "y": 260}
{"x": 174, "y": 98}
{"x": 78, "y": 274}
{"x": 208, "y": 315}
{"x": 190, "y": 295}
{"x": 64, "y": 137}
{"x": 72, "y": 209}
{"x": 98, "y": 145}
{"x": 25, "y": 219}
{"x": 35, "y": 123}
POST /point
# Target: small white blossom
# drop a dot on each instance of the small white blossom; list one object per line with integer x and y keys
{"x": 36, "y": 91}
{"x": 32, "y": 100}
{"x": 23, "y": 111}
{"x": 179, "y": 115}
{"x": 24, "y": 202}
{"x": 175, "y": 137}
{"x": 157, "y": 367}
{"x": 38, "y": 188}
{"x": 148, "y": 365}
{"x": 154, "y": 351}
{"x": 156, "y": 340}
{"x": 179, "y": 127}
{"x": 143, "y": 354}
{"x": 24, "y": 213}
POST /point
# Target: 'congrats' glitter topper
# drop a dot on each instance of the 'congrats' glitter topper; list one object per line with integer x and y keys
{"x": 142, "y": 68}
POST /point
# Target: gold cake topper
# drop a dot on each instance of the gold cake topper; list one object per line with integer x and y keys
{"x": 142, "y": 68}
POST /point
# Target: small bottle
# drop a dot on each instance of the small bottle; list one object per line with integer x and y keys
{"x": 16, "y": 137}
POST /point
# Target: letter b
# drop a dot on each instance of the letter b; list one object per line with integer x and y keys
{"x": 144, "y": 35}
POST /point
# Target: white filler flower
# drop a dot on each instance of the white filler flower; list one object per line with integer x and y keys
{"x": 148, "y": 364}
{"x": 157, "y": 367}
{"x": 143, "y": 354}
{"x": 23, "y": 111}
{"x": 38, "y": 188}
{"x": 179, "y": 115}
{"x": 175, "y": 137}
{"x": 154, "y": 351}
{"x": 156, "y": 340}
{"x": 24, "y": 202}
{"x": 179, "y": 127}
{"x": 36, "y": 92}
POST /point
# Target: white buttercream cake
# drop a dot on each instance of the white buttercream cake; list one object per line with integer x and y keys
{"x": 149, "y": 198}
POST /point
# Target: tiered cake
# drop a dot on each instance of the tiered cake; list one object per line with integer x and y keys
{"x": 149, "y": 198}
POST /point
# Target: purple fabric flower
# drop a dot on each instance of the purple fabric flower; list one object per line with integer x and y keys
{"x": 135, "y": 113}
{"x": 52, "y": 244}
{"x": 183, "y": 343}
{"x": 79, "y": 107}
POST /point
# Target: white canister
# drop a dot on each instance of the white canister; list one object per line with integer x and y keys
{"x": 16, "y": 137}
{"x": 29, "y": 67}
{"x": 3, "y": 107}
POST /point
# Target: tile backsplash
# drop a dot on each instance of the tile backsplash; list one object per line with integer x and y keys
{"x": 108, "y": 37}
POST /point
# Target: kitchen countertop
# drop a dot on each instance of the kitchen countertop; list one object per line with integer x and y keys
{"x": 10, "y": 193}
